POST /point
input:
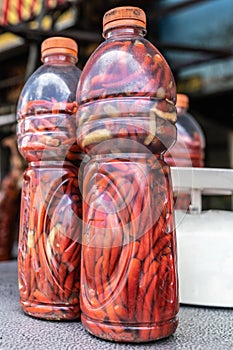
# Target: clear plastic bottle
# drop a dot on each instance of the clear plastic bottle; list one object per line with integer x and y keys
{"x": 190, "y": 145}
{"x": 126, "y": 121}
{"x": 189, "y": 148}
{"x": 50, "y": 219}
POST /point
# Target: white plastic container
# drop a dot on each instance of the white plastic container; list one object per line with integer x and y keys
{"x": 204, "y": 239}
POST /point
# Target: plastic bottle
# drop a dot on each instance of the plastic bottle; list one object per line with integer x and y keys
{"x": 189, "y": 147}
{"x": 126, "y": 120}
{"x": 188, "y": 150}
{"x": 51, "y": 208}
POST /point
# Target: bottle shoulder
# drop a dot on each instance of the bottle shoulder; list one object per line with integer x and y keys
{"x": 50, "y": 83}
{"x": 188, "y": 125}
{"x": 126, "y": 65}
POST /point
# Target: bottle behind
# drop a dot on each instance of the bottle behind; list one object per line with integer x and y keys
{"x": 51, "y": 209}
{"x": 188, "y": 150}
{"x": 126, "y": 121}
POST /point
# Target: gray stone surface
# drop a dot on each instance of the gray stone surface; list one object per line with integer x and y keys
{"x": 199, "y": 328}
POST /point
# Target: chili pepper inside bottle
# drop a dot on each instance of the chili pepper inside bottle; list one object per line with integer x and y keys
{"x": 126, "y": 121}
{"x": 188, "y": 150}
{"x": 51, "y": 209}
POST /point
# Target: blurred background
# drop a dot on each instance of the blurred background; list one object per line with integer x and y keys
{"x": 195, "y": 37}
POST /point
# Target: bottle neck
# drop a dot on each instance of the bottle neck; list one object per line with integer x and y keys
{"x": 129, "y": 31}
{"x": 57, "y": 59}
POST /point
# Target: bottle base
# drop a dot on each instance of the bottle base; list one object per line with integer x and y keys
{"x": 135, "y": 333}
{"x": 56, "y": 312}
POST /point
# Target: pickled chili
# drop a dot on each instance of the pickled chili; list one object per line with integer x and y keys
{"x": 129, "y": 286}
{"x": 126, "y": 121}
{"x": 49, "y": 242}
{"x": 51, "y": 207}
{"x": 46, "y": 130}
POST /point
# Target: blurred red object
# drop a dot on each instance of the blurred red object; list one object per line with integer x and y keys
{"x": 15, "y": 11}
{"x": 10, "y": 190}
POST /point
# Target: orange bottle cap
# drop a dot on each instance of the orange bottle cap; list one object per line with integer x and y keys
{"x": 124, "y": 15}
{"x": 59, "y": 45}
{"x": 182, "y": 100}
